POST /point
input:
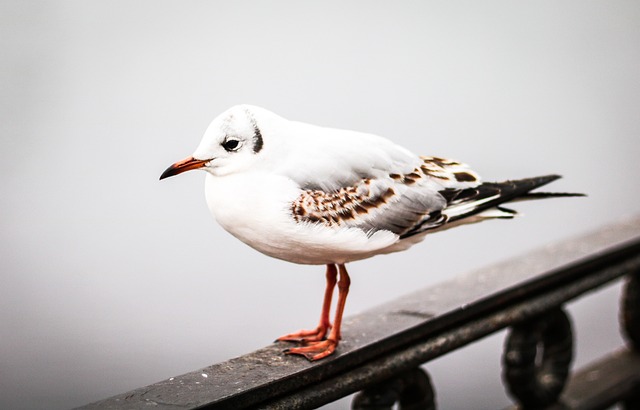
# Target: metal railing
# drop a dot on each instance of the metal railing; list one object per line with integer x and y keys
{"x": 383, "y": 348}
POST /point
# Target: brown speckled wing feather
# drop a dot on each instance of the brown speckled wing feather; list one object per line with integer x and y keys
{"x": 399, "y": 203}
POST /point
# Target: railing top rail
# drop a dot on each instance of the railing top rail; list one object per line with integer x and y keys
{"x": 558, "y": 272}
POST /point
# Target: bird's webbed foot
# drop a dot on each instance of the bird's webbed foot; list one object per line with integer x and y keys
{"x": 306, "y": 336}
{"x": 315, "y": 350}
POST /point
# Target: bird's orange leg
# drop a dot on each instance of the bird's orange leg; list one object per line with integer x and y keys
{"x": 321, "y": 349}
{"x": 319, "y": 332}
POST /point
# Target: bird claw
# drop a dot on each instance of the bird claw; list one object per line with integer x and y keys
{"x": 315, "y": 350}
{"x": 305, "y": 336}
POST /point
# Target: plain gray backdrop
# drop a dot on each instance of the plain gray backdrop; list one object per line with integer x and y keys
{"x": 112, "y": 280}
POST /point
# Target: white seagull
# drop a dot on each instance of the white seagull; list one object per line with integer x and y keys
{"x": 320, "y": 196}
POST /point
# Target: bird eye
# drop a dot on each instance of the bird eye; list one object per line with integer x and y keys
{"x": 231, "y": 145}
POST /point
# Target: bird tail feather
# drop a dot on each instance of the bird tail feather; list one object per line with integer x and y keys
{"x": 487, "y": 200}
{"x": 492, "y": 194}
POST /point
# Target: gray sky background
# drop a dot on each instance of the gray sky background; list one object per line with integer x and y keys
{"x": 112, "y": 280}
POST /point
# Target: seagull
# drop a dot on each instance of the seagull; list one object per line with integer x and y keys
{"x": 321, "y": 196}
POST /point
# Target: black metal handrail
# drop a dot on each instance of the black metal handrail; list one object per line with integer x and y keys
{"x": 384, "y": 347}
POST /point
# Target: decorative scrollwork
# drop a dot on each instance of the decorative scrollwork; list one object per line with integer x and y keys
{"x": 412, "y": 390}
{"x": 537, "y": 357}
{"x": 630, "y": 315}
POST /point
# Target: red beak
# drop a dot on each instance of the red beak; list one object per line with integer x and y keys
{"x": 186, "y": 164}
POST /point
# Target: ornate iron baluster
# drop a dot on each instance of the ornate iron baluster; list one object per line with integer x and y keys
{"x": 630, "y": 316}
{"x": 412, "y": 390}
{"x": 537, "y": 357}
{"x": 630, "y": 321}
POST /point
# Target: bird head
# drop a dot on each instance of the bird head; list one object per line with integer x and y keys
{"x": 232, "y": 143}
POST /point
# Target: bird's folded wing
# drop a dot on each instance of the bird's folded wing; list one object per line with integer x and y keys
{"x": 395, "y": 202}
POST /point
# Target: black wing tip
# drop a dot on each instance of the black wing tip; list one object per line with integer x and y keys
{"x": 514, "y": 190}
{"x": 525, "y": 188}
{"x": 541, "y": 180}
{"x": 528, "y": 184}
{"x": 551, "y": 177}
{"x": 533, "y": 195}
